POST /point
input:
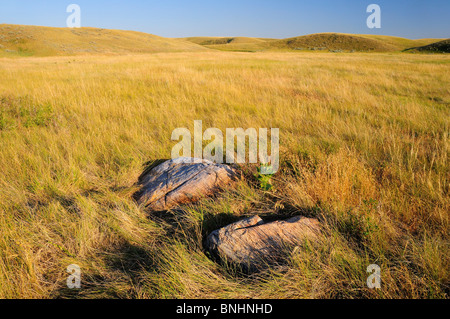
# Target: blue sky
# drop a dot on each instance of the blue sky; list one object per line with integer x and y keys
{"x": 255, "y": 18}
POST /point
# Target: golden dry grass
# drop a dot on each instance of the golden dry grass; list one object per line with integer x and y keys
{"x": 364, "y": 148}
{"x": 25, "y": 40}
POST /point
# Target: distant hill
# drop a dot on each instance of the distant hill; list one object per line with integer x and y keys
{"x": 319, "y": 41}
{"x": 44, "y": 41}
{"x": 437, "y": 47}
{"x": 232, "y": 43}
{"x": 224, "y": 40}
{"x": 398, "y": 42}
{"x": 333, "y": 41}
{"x": 19, "y": 40}
{"x": 349, "y": 42}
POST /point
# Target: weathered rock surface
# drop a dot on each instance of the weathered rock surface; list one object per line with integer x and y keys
{"x": 252, "y": 243}
{"x": 182, "y": 180}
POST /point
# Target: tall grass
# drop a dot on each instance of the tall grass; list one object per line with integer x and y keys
{"x": 364, "y": 148}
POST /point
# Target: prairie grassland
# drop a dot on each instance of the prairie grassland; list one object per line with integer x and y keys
{"x": 364, "y": 148}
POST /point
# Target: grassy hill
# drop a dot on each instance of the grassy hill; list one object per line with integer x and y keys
{"x": 333, "y": 41}
{"x": 437, "y": 47}
{"x": 319, "y": 41}
{"x": 232, "y": 43}
{"x": 349, "y": 42}
{"x": 225, "y": 40}
{"x": 18, "y": 40}
{"x": 399, "y": 43}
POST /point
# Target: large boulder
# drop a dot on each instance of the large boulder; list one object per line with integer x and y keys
{"x": 253, "y": 244}
{"x": 182, "y": 180}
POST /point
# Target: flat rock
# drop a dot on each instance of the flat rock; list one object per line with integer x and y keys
{"x": 181, "y": 181}
{"x": 252, "y": 243}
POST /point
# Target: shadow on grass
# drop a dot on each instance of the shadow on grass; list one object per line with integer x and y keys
{"x": 120, "y": 272}
{"x": 124, "y": 268}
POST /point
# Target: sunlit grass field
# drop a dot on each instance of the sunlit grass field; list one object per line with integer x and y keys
{"x": 364, "y": 141}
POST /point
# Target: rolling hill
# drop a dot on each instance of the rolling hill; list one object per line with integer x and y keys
{"x": 225, "y": 40}
{"x": 319, "y": 41}
{"x": 437, "y": 47}
{"x": 334, "y": 41}
{"x": 398, "y": 42}
{"x": 245, "y": 44}
{"x": 18, "y": 40}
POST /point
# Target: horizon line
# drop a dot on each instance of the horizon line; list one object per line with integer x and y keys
{"x": 218, "y": 36}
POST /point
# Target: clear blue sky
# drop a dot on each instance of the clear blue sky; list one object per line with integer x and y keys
{"x": 255, "y": 18}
